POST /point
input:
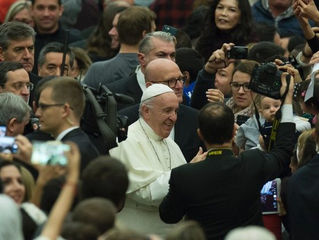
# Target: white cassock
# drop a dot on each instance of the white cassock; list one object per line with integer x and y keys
{"x": 149, "y": 160}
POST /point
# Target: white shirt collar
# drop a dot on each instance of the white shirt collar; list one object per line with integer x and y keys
{"x": 140, "y": 78}
{"x": 65, "y": 132}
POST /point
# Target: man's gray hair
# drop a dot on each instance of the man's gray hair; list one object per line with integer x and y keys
{"x": 55, "y": 47}
{"x": 14, "y": 31}
{"x": 13, "y": 106}
{"x": 148, "y": 103}
{"x": 146, "y": 44}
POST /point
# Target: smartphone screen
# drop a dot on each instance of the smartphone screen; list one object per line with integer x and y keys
{"x": 269, "y": 195}
{"x": 3, "y": 130}
{"x": 8, "y": 145}
{"x": 49, "y": 153}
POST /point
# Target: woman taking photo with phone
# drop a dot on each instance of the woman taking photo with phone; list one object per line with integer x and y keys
{"x": 227, "y": 21}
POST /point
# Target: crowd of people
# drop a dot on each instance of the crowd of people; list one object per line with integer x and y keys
{"x": 159, "y": 119}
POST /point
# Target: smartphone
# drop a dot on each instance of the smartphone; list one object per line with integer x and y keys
{"x": 3, "y": 130}
{"x": 269, "y": 197}
{"x": 49, "y": 153}
{"x": 8, "y": 145}
{"x": 265, "y": 131}
{"x": 169, "y": 29}
{"x": 237, "y": 52}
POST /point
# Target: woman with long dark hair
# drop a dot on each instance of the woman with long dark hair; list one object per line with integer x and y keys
{"x": 227, "y": 21}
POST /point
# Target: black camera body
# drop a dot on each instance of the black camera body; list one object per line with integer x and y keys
{"x": 266, "y": 80}
{"x": 237, "y": 52}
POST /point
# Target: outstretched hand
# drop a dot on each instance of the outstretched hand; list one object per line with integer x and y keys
{"x": 289, "y": 69}
{"x": 306, "y": 10}
{"x": 200, "y": 156}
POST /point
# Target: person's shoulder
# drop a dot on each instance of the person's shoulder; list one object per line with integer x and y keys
{"x": 76, "y": 134}
{"x": 97, "y": 65}
{"x": 183, "y": 169}
{"x": 130, "y": 59}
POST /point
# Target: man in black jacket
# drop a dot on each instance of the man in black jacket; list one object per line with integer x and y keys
{"x": 223, "y": 191}
{"x": 60, "y": 107}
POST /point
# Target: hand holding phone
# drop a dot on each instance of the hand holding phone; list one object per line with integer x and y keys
{"x": 218, "y": 59}
{"x": 8, "y": 145}
{"x": 269, "y": 195}
{"x": 237, "y": 52}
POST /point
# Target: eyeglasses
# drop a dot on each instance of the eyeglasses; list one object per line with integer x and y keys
{"x": 172, "y": 82}
{"x": 44, "y": 106}
{"x": 236, "y": 86}
{"x": 19, "y": 85}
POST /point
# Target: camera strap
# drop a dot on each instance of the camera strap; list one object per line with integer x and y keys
{"x": 276, "y": 122}
{"x": 273, "y": 129}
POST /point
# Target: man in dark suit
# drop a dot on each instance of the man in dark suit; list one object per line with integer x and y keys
{"x": 303, "y": 197}
{"x": 154, "y": 45}
{"x": 167, "y": 72}
{"x": 60, "y": 107}
{"x": 223, "y": 191}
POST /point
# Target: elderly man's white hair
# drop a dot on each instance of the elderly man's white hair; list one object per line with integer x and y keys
{"x": 250, "y": 233}
{"x": 10, "y": 219}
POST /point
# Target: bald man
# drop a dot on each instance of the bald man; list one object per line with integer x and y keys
{"x": 166, "y": 72}
{"x": 184, "y": 132}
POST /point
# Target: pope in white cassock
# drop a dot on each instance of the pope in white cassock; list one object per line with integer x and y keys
{"x": 149, "y": 155}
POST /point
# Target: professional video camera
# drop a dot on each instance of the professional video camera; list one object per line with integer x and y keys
{"x": 100, "y": 120}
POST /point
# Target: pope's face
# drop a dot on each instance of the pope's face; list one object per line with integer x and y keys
{"x": 162, "y": 114}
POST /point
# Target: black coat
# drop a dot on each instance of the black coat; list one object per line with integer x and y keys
{"x": 303, "y": 201}
{"x": 87, "y": 149}
{"x": 223, "y": 191}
